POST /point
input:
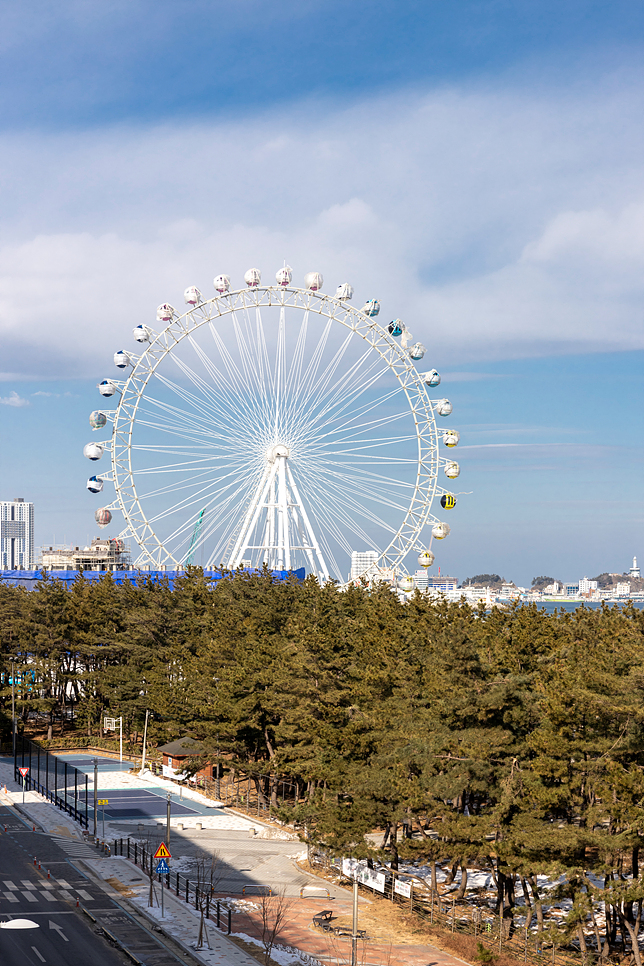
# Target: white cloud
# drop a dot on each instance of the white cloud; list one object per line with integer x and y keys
{"x": 13, "y": 399}
{"x": 495, "y": 224}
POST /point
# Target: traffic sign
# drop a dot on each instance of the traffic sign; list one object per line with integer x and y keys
{"x": 162, "y": 867}
{"x": 103, "y": 801}
{"x": 162, "y": 852}
{"x": 23, "y": 771}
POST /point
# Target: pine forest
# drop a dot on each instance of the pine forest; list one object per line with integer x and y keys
{"x": 509, "y": 740}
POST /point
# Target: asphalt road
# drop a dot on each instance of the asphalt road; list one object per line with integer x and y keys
{"x": 46, "y": 892}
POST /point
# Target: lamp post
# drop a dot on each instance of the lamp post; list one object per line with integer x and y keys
{"x": 13, "y": 713}
{"x": 145, "y": 735}
{"x": 354, "y": 931}
{"x": 167, "y": 824}
{"x": 95, "y": 796}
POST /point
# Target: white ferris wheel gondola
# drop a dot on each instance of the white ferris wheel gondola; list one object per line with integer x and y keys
{"x": 275, "y": 425}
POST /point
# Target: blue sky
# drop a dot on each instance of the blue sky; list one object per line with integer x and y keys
{"x": 478, "y": 166}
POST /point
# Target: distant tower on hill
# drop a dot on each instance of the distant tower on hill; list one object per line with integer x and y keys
{"x": 635, "y": 570}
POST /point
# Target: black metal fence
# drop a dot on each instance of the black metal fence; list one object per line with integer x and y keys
{"x": 63, "y": 785}
{"x": 201, "y": 895}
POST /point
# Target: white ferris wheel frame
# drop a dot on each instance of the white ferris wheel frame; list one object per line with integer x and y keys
{"x": 132, "y": 391}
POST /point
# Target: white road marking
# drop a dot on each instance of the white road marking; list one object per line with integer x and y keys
{"x": 10, "y": 885}
{"x": 66, "y": 895}
{"x": 85, "y": 895}
{"x": 11, "y": 897}
{"x": 30, "y": 896}
{"x": 40, "y": 957}
{"x": 27, "y": 884}
{"x": 64, "y": 883}
{"x": 54, "y": 925}
{"x": 49, "y": 896}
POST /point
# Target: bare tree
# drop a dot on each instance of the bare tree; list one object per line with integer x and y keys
{"x": 273, "y": 917}
{"x": 209, "y": 870}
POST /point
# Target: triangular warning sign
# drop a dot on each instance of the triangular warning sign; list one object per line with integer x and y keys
{"x": 162, "y": 852}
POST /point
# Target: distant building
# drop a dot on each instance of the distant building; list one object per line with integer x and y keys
{"x": 441, "y": 582}
{"x": 176, "y": 754}
{"x": 420, "y": 579}
{"x": 635, "y": 570}
{"x": 587, "y": 586}
{"x": 571, "y": 590}
{"x": 553, "y": 588}
{"x": 16, "y": 535}
{"x": 623, "y": 588}
{"x": 363, "y": 564}
{"x": 509, "y": 590}
{"x": 109, "y": 554}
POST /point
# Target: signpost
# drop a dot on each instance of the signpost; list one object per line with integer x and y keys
{"x": 23, "y": 772}
{"x": 103, "y": 802}
{"x": 162, "y": 868}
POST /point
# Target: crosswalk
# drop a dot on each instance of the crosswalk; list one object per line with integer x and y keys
{"x": 74, "y": 847}
{"x": 47, "y": 890}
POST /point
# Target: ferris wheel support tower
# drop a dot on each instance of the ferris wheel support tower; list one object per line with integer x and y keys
{"x": 287, "y": 527}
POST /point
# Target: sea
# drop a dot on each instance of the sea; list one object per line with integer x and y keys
{"x": 550, "y": 606}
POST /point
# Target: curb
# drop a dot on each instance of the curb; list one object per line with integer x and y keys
{"x": 117, "y": 942}
{"x": 134, "y": 910}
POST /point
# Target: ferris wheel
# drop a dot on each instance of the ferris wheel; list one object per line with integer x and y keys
{"x": 276, "y": 425}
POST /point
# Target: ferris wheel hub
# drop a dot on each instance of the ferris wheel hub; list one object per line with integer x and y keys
{"x": 279, "y": 449}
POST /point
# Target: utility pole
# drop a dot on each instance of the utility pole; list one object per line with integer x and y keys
{"x": 95, "y": 796}
{"x": 167, "y": 824}
{"x": 145, "y": 734}
{"x": 354, "y": 931}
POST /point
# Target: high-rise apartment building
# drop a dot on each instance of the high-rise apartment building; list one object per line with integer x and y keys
{"x": 363, "y": 564}
{"x": 16, "y": 535}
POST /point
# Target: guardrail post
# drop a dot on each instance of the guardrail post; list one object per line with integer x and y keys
{"x": 187, "y": 890}
{"x": 230, "y": 917}
{"x": 177, "y": 885}
{"x": 218, "y": 915}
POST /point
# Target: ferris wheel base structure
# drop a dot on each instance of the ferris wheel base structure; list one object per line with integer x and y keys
{"x": 29, "y": 579}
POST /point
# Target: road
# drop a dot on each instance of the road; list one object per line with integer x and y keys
{"x": 46, "y": 892}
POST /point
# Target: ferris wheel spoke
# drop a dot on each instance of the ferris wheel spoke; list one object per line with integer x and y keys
{"x": 235, "y": 377}
{"x": 367, "y": 492}
{"x": 363, "y": 425}
{"x": 337, "y": 408}
{"x": 360, "y": 511}
{"x": 331, "y": 517}
{"x": 205, "y": 419}
{"x": 214, "y": 517}
{"x": 236, "y": 399}
{"x": 327, "y": 428}
{"x": 355, "y": 382}
{"x": 356, "y": 445}
{"x": 295, "y": 369}
{"x": 194, "y": 499}
{"x": 199, "y": 405}
{"x": 315, "y": 393}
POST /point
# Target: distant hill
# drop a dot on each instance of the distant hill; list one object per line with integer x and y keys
{"x": 484, "y": 580}
{"x": 605, "y": 581}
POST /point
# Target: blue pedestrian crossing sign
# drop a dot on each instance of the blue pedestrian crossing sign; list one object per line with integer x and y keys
{"x": 162, "y": 867}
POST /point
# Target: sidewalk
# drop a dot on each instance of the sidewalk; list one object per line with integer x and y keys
{"x": 128, "y": 885}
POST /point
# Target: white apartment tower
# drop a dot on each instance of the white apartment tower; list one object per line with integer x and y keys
{"x": 363, "y": 564}
{"x": 16, "y": 535}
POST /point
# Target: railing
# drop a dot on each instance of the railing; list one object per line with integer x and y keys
{"x": 53, "y": 779}
{"x": 443, "y": 911}
{"x": 215, "y": 910}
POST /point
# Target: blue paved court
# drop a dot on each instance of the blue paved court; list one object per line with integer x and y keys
{"x": 126, "y": 803}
